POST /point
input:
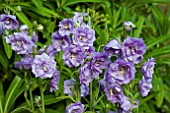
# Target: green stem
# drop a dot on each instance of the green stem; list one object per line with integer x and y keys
{"x": 91, "y": 96}
{"x": 99, "y": 48}
{"x": 31, "y": 97}
{"x": 26, "y": 89}
{"x": 42, "y": 99}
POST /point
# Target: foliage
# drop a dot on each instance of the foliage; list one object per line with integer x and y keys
{"x": 152, "y": 18}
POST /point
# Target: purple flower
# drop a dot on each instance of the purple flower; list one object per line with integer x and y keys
{"x": 83, "y": 35}
{"x": 23, "y": 28}
{"x": 99, "y": 62}
{"x": 113, "y": 47}
{"x": 122, "y": 71}
{"x": 66, "y": 27}
{"x": 145, "y": 87}
{"x": 84, "y": 90}
{"x": 85, "y": 74}
{"x": 25, "y": 63}
{"x": 89, "y": 50}
{"x": 1, "y": 29}
{"x": 68, "y": 86}
{"x": 60, "y": 42}
{"x": 125, "y": 104}
{"x": 77, "y": 107}
{"x": 73, "y": 56}
{"x": 21, "y": 42}
{"x": 128, "y": 25}
{"x": 78, "y": 19}
{"x": 103, "y": 84}
{"x": 51, "y": 51}
{"x": 9, "y": 22}
{"x": 148, "y": 69}
{"x": 43, "y": 66}
{"x": 54, "y": 81}
{"x": 34, "y": 37}
{"x": 114, "y": 93}
{"x": 133, "y": 49}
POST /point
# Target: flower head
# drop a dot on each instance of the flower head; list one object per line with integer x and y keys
{"x": 128, "y": 25}
{"x": 43, "y": 66}
{"x": 60, "y": 42}
{"x": 85, "y": 74}
{"x": 1, "y": 29}
{"x": 24, "y": 63}
{"x": 145, "y": 87}
{"x": 113, "y": 47}
{"x": 89, "y": 51}
{"x": 122, "y": 71}
{"x": 127, "y": 106}
{"x": 114, "y": 93}
{"x": 133, "y": 49}
{"x": 51, "y": 51}
{"x": 23, "y": 28}
{"x": 83, "y": 35}
{"x": 99, "y": 62}
{"x": 21, "y": 42}
{"x": 54, "y": 81}
{"x": 148, "y": 69}
{"x": 77, "y": 107}
{"x": 78, "y": 19}
{"x": 66, "y": 27}
{"x": 9, "y": 22}
{"x": 84, "y": 90}
{"x": 73, "y": 55}
{"x": 68, "y": 86}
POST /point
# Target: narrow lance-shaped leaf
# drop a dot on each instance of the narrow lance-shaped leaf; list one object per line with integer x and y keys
{"x": 14, "y": 90}
{"x": 7, "y": 48}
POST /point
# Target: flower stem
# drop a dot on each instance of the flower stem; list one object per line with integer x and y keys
{"x": 91, "y": 96}
{"x": 31, "y": 97}
{"x": 42, "y": 99}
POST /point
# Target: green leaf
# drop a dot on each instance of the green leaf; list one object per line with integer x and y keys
{"x": 24, "y": 19}
{"x": 150, "y": 24}
{"x": 8, "y": 48}
{"x": 152, "y": 42}
{"x": 22, "y": 110}
{"x": 51, "y": 111}
{"x": 52, "y": 100}
{"x": 116, "y": 17}
{"x": 160, "y": 97}
{"x": 71, "y": 2}
{"x": 4, "y": 61}
{"x": 67, "y": 9}
{"x": 157, "y": 13}
{"x": 89, "y": 112}
{"x": 139, "y": 25}
{"x": 1, "y": 97}
{"x": 167, "y": 97}
{"x": 37, "y": 3}
{"x": 13, "y": 92}
{"x": 48, "y": 11}
{"x": 143, "y": 2}
{"x": 103, "y": 38}
{"x": 158, "y": 52}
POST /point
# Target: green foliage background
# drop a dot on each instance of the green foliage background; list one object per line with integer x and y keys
{"x": 152, "y": 18}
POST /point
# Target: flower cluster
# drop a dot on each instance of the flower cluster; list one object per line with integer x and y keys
{"x": 75, "y": 38}
{"x": 24, "y": 43}
{"x": 121, "y": 71}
